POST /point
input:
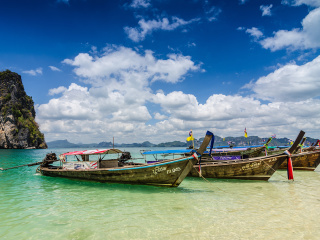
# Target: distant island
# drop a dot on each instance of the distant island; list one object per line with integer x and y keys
{"x": 236, "y": 141}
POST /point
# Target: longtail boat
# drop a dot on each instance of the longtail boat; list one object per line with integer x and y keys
{"x": 168, "y": 173}
{"x": 303, "y": 158}
{"x": 306, "y": 160}
{"x": 259, "y": 168}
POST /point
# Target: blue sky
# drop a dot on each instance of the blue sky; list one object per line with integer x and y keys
{"x": 151, "y": 70}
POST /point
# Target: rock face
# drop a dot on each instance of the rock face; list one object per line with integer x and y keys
{"x": 18, "y": 128}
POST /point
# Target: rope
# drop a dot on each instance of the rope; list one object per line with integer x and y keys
{"x": 208, "y": 181}
{"x": 275, "y": 170}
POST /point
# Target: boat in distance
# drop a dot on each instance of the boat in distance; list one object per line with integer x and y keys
{"x": 304, "y": 158}
{"x": 306, "y": 161}
{"x": 169, "y": 172}
{"x": 258, "y": 168}
{"x": 236, "y": 153}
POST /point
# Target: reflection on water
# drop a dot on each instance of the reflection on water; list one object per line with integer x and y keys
{"x": 38, "y": 207}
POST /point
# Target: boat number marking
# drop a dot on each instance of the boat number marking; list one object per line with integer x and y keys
{"x": 177, "y": 169}
{"x": 251, "y": 165}
{"x": 157, "y": 170}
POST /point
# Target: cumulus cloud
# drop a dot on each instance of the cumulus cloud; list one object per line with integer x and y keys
{"x": 227, "y": 115}
{"x": 35, "y": 72}
{"x": 58, "y": 90}
{"x": 218, "y": 107}
{"x": 159, "y": 116}
{"x": 145, "y": 28}
{"x": 115, "y": 98}
{"x": 266, "y": 10}
{"x": 307, "y": 37}
{"x": 118, "y": 89}
{"x": 124, "y": 63}
{"x": 290, "y": 83}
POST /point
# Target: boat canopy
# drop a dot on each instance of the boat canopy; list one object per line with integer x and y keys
{"x": 228, "y": 147}
{"x": 179, "y": 151}
{"x": 94, "y": 152}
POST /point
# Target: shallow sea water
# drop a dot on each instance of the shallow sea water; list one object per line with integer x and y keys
{"x": 39, "y": 207}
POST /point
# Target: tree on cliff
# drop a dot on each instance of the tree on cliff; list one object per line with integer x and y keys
{"x": 18, "y": 128}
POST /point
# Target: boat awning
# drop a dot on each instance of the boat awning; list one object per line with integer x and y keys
{"x": 228, "y": 147}
{"x": 94, "y": 152}
{"x": 179, "y": 151}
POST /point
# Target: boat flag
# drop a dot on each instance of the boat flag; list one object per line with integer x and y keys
{"x": 273, "y": 136}
{"x": 289, "y": 166}
{"x": 245, "y": 133}
{"x": 190, "y": 138}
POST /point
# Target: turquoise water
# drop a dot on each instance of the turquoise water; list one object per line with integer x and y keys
{"x": 39, "y": 207}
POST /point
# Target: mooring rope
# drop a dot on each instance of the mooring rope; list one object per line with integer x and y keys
{"x": 208, "y": 181}
{"x": 275, "y": 170}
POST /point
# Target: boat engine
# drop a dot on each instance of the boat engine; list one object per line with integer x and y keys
{"x": 49, "y": 158}
{"x": 125, "y": 157}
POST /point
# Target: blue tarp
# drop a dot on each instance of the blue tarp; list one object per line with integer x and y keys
{"x": 179, "y": 151}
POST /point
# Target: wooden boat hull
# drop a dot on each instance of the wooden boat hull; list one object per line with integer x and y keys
{"x": 307, "y": 161}
{"x": 167, "y": 173}
{"x": 260, "y": 168}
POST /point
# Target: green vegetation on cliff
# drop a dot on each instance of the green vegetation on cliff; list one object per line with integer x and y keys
{"x": 18, "y": 128}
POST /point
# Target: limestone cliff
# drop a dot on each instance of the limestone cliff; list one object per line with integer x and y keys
{"x": 18, "y": 128}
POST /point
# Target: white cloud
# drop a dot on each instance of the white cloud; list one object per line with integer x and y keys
{"x": 140, "y": 4}
{"x": 58, "y": 90}
{"x": 159, "y": 116}
{"x": 299, "y": 38}
{"x": 213, "y": 13}
{"x": 290, "y": 83}
{"x": 35, "y": 72}
{"x": 228, "y": 115}
{"x": 254, "y": 32}
{"x": 118, "y": 89}
{"x": 124, "y": 63}
{"x": 53, "y": 68}
{"x": 116, "y": 100}
{"x": 266, "y": 10}
{"x": 312, "y": 3}
{"x": 147, "y": 27}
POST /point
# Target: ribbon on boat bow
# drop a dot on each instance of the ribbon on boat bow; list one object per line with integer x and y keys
{"x": 289, "y": 165}
{"x": 300, "y": 146}
{"x": 266, "y": 145}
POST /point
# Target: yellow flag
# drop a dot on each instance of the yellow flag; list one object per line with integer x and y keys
{"x": 191, "y": 138}
{"x": 245, "y": 133}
